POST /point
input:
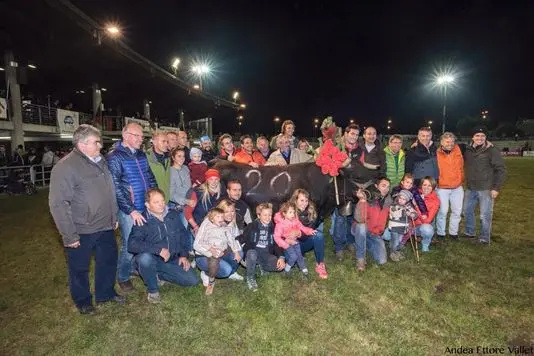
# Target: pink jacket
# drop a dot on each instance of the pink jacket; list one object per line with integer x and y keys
{"x": 284, "y": 227}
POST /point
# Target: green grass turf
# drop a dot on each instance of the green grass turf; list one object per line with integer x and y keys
{"x": 459, "y": 295}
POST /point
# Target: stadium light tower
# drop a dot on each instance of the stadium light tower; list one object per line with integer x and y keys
{"x": 443, "y": 81}
{"x": 200, "y": 70}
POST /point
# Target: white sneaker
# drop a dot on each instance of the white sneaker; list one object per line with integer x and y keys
{"x": 236, "y": 277}
{"x": 205, "y": 279}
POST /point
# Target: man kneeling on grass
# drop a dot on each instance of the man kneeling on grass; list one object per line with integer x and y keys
{"x": 161, "y": 247}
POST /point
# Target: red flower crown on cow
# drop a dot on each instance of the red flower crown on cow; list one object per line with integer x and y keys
{"x": 330, "y": 157}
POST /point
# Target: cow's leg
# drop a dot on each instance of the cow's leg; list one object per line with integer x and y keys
{"x": 340, "y": 231}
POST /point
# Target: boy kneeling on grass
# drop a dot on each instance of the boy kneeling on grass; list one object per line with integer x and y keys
{"x": 215, "y": 241}
{"x": 161, "y": 247}
{"x": 259, "y": 246}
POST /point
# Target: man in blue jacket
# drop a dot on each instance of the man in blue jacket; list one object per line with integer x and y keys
{"x": 132, "y": 178}
{"x": 160, "y": 246}
{"x": 422, "y": 160}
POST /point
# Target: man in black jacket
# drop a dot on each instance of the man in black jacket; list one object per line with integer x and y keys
{"x": 421, "y": 159}
{"x": 485, "y": 173}
{"x": 161, "y": 247}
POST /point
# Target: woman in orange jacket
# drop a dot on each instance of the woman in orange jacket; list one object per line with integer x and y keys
{"x": 423, "y": 224}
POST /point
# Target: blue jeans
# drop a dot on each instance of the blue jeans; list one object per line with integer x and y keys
{"x": 315, "y": 243}
{"x": 151, "y": 267}
{"x": 294, "y": 255}
{"x": 483, "y": 197}
{"x": 426, "y": 231}
{"x": 227, "y": 264}
{"x": 395, "y": 241}
{"x": 454, "y": 198}
{"x": 78, "y": 259}
{"x": 340, "y": 230}
{"x": 125, "y": 266}
{"x": 191, "y": 237}
{"x": 367, "y": 241}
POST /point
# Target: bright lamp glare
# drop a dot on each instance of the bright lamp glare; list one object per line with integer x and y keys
{"x": 113, "y": 30}
{"x": 236, "y": 95}
{"x": 176, "y": 63}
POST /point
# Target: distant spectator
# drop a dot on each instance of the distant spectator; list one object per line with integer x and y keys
{"x": 49, "y": 158}
{"x": 31, "y": 157}
{"x": 18, "y": 156}
{"x": 206, "y": 146}
{"x": 4, "y": 157}
{"x": 305, "y": 146}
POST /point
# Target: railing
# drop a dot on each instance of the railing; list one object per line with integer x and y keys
{"x": 36, "y": 174}
{"x": 39, "y": 114}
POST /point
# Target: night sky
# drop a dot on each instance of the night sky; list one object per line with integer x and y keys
{"x": 293, "y": 59}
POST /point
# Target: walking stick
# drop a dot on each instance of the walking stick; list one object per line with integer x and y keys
{"x": 416, "y": 244}
{"x": 411, "y": 243}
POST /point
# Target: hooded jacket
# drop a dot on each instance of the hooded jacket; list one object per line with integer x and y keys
{"x": 284, "y": 227}
{"x": 210, "y": 235}
{"x": 484, "y": 168}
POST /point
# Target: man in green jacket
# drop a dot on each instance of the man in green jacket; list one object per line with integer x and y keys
{"x": 159, "y": 162}
{"x": 395, "y": 160}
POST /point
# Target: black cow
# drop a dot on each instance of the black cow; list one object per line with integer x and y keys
{"x": 275, "y": 184}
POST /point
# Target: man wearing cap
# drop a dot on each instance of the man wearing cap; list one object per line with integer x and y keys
{"x": 485, "y": 173}
{"x": 159, "y": 162}
{"x": 207, "y": 149}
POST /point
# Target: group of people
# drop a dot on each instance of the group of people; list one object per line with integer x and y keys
{"x": 175, "y": 215}
{"x": 20, "y": 158}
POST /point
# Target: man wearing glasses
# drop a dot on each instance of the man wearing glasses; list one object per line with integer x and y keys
{"x": 82, "y": 202}
{"x": 132, "y": 178}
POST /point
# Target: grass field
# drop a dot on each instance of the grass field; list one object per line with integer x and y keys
{"x": 459, "y": 295}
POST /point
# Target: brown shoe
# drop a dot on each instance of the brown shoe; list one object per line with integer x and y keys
{"x": 360, "y": 265}
{"x": 126, "y": 287}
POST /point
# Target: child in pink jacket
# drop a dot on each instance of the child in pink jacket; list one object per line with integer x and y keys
{"x": 287, "y": 230}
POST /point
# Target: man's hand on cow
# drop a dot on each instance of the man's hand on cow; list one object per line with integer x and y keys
{"x": 138, "y": 218}
{"x": 73, "y": 245}
{"x": 184, "y": 262}
{"x": 165, "y": 254}
{"x": 253, "y": 164}
{"x": 281, "y": 263}
{"x": 494, "y": 194}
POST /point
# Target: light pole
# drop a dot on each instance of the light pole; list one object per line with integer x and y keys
{"x": 200, "y": 70}
{"x": 276, "y": 121}
{"x": 175, "y": 64}
{"x": 444, "y": 81}
{"x": 235, "y": 96}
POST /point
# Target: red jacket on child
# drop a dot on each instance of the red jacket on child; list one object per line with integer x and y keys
{"x": 197, "y": 172}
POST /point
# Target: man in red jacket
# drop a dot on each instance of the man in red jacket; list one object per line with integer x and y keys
{"x": 369, "y": 226}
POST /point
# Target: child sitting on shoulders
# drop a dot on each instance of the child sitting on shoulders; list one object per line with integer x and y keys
{"x": 197, "y": 167}
{"x": 215, "y": 241}
{"x": 287, "y": 230}
{"x": 401, "y": 213}
{"x": 259, "y": 246}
